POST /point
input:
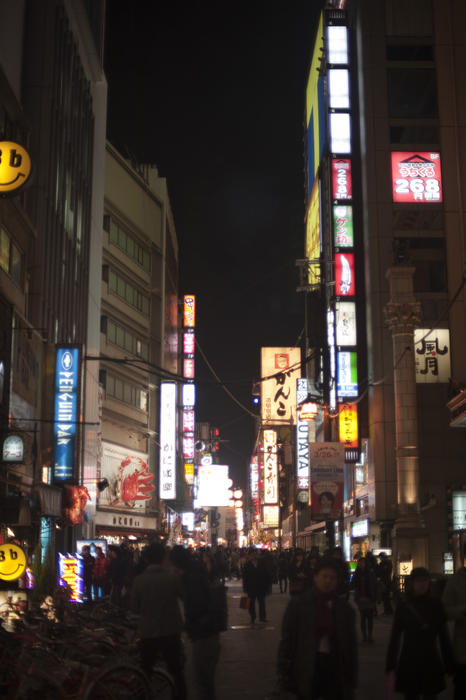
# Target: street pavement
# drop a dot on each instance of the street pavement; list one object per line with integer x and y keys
{"x": 246, "y": 670}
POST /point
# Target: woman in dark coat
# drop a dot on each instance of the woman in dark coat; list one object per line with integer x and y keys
{"x": 418, "y": 626}
{"x": 364, "y": 584}
{"x": 256, "y": 584}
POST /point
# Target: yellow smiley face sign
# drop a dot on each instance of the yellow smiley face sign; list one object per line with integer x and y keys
{"x": 12, "y": 562}
{"x": 15, "y": 167}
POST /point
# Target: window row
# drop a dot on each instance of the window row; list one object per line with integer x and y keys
{"x": 130, "y": 294}
{"x": 126, "y": 340}
{"x": 118, "y": 389}
{"x": 11, "y": 258}
{"x": 129, "y": 245}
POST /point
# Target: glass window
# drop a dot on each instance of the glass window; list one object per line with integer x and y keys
{"x": 4, "y": 251}
{"x": 412, "y": 93}
{"x": 414, "y": 133}
{"x": 113, "y": 232}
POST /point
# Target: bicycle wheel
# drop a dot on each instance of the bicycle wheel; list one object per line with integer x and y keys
{"x": 122, "y": 682}
{"x": 162, "y": 684}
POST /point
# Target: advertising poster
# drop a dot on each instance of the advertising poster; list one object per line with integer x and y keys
{"x": 432, "y": 355}
{"x": 270, "y": 516}
{"x": 327, "y": 479}
{"x": 344, "y": 275}
{"x": 416, "y": 177}
{"x": 280, "y": 367}
{"x": 130, "y": 481}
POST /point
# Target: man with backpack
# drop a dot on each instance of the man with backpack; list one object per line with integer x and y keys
{"x": 205, "y": 610}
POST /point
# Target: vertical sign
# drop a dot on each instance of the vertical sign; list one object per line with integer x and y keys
{"x": 167, "y": 461}
{"x": 348, "y": 425}
{"x": 66, "y": 412}
{"x": 71, "y": 572}
{"x": 189, "y": 310}
{"x": 342, "y": 184}
{"x": 302, "y": 438}
{"x": 279, "y": 369}
{"x": 327, "y": 479}
{"x": 432, "y": 355}
{"x": 270, "y": 467}
{"x": 344, "y": 274}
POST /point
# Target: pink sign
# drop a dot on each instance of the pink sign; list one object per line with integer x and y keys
{"x": 341, "y": 179}
{"x": 416, "y": 177}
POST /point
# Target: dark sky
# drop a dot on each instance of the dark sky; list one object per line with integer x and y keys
{"x": 213, "y": 93}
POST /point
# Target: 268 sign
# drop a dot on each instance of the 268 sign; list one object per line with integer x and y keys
{"x": 416, "y": 177}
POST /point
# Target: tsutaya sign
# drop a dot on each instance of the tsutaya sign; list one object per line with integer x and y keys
{"x": 15, "y": 167}
{"x": 302, "y": 438}
{"x": 66, "y": 412}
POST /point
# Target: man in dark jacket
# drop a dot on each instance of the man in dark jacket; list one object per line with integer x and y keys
{"x": 317, "y": 654}
{"x": 257, "y": 581}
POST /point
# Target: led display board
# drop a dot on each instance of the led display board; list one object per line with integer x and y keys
{"x": 343, "y": 236}
{"x": 302, "y": 437}
{"x": 340, "y": 132}
{"x": 312, "y": 243}
{"x": 66, "y": 412}
{"x": 432, "y": 355}
{"x": 270, "y": 516}
{"x": 327, "y": 479}
{"x": 189, "y": 310}
{"x": 212, "y": 486}
{"x": 270, "y": 457}
{"x": 347, "y": 374}
{"x": 416, "y": 177}
{"x": 280, "y": 368}
{"x": 342, "y": 182}
{"x": 348, "y": 425}
{"x": 167, "y": 455}
{"x": 344, "y": 275}
{"x": 345, "y": 315}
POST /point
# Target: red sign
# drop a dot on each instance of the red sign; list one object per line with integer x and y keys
{"x": 344, "y": 274}
{"x": 341, "y": 179}
{"x": 188, "y": 343}
{"x": 416, "y": 177}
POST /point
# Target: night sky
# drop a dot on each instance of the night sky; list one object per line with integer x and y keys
{"x": 213, "y": 94}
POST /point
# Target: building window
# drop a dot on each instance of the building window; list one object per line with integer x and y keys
{"x": 129, "y": 245}
{"x": 427, "y": 256}
{"x": 415, "y": 133}
{"x": 126, "y": 392}
{"x": 412, "y": 93}
{"x": 410, "y": 52}
{"x": 126, "y": 340}
{"x": 11, "y": 258}
{"x": 132, "y": 296}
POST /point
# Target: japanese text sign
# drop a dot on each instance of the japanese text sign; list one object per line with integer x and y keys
{"x": 270, "y": 467}
{"x": 342, "y": 187}
{"x": 280, "y": 368}
{"x": 416, "y": 177}
{"x": 167, "y": 459}
{"x": 344, "y": 274}
{"x": 432, "y": 355}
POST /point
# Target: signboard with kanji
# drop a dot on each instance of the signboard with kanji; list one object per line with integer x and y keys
{"x": 432, "y": 355}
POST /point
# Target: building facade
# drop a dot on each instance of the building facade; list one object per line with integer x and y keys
{"x": 385, "y": 251}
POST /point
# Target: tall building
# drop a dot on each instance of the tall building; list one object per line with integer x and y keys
{"x": 138, "y": 345}
{"x": 385, "y": 252}
{"x": 53, "y": 103}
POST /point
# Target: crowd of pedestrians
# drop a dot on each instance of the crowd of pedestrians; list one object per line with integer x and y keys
{"x": 175, "y": 591}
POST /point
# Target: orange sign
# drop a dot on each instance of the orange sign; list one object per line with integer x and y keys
{"x": 15, "y": 167}
{"x": 348, "y": 424}
{"x": 189, "y": 310}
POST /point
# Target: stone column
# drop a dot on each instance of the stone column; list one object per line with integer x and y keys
{"x": 402, "y": 316}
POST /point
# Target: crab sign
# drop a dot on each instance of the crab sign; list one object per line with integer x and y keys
{"x": 135, "y": 481}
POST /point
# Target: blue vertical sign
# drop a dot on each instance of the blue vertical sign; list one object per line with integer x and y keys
{"x": 66, "y": 412}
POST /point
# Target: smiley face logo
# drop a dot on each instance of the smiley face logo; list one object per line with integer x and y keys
{"x": 12, "y": 562}
{"x": 15, "y": 167}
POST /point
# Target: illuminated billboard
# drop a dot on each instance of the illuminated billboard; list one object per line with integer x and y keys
{"x": 188, "y": 396}
{"x": 280, "y": 368}
{"x": 344, "y": 275}
{"x": 66, "y": 412}
{"x": 254, "y": 477}
{"x": 213, "y": 487}
{"x": 345, "y": 315}
{"x": 302, "y": 437}
{"x": 327, "y": 479}
{"x": 270, "y": 516}
{"x": 315, "y": 110}
{"x": 343, "y": 236}
{"x": 188, "y": 343}
{"x": 71, "y": 573}
{"x": 347, "y": 374}
{"x": 340, "y": 132}
{"x": 432, "y": 355}
{"x": 270, "y": 457}
{"x": 129, "y": 478}
{"x": 342, "y": 183}
{"x": 189, "y": 310}
{"x": 312, "y": 243}
{"x": 167, "y": 458}
{"x": 348, "y": 425}
{"x": 416, "y": 177}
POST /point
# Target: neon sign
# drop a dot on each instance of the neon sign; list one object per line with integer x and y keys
{"x": 66, "y": 412}
{"x": 341, "y": 179}
{"x": 343, "y": 226}
{"x": 70, "y": 571}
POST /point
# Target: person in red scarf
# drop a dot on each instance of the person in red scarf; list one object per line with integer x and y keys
{"x": 317, "y": 653}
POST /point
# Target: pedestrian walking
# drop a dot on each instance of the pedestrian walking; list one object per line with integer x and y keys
{"x": 384, "y": 575}
{"x": 298, "y": 573}
{"x": 454, "y": 601}
{"x": 414, "y": 665}
{"x": 155, "y": 596}
{"x": 88, "y": 571}
{"x": 317, "y": 655}
{"x": 205, "y": 608}
{"x": 283, "y": 572}
{"x": 256, "y": 584}
{"x": 99, "y": 572}
{"x": 364, "y": 585}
